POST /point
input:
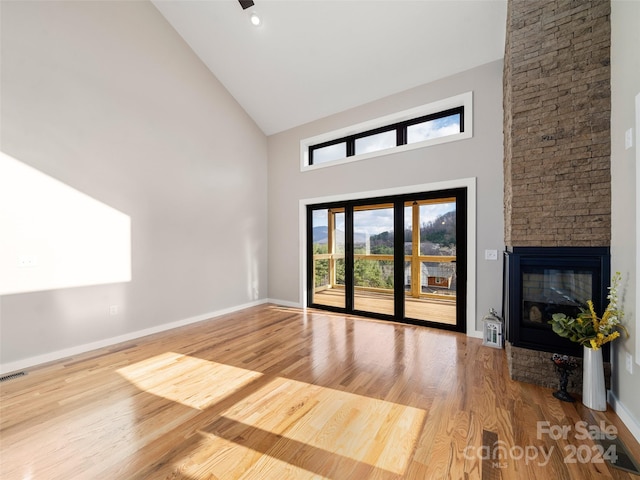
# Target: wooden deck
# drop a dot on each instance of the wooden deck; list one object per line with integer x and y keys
{"x": 273, "y": 393}
{"x": 431, "y": 309}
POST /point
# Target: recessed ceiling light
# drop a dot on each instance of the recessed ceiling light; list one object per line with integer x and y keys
{"x": 255, "y": 19}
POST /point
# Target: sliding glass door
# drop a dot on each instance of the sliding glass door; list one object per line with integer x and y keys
{"x": 431, "y": 276}
{"x": 373, "y": 259}
{"x": 327, "y": 265}
{"x": 400, "y": 258}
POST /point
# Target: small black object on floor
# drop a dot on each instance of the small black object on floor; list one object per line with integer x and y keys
{"x": 564, "y": 366}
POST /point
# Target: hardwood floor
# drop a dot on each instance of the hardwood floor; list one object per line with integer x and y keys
{"x": 280, "y": 393}
{"x": 431, "y": 309}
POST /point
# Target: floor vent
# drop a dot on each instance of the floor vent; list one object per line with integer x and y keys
{"x": 12, "y": 376}
{"x": 622, "y": 458}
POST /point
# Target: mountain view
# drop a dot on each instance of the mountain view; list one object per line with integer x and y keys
{"x": 437, "y": 237}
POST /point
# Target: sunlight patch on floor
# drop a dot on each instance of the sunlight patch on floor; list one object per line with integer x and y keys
{"x": 334, "y": 423}
{"x": 190, "y": 381}
{"x": 218, "y": 457}
{"x": 286, "y": 427}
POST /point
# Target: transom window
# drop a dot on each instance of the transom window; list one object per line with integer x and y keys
{"x": 439, "y": 122}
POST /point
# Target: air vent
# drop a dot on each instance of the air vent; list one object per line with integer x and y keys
{"x": 12, "y": 376}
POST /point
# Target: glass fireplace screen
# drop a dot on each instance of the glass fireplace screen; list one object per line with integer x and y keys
{"x": 546, "y": 291}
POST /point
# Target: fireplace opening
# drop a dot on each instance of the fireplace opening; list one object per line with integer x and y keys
{"x": 541, "y": 281}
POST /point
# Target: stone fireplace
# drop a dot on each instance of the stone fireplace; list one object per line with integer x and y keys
{"x": 542, "y": 281}
{"x": 557, "y": 182}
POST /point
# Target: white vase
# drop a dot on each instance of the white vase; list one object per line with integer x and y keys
{"x": 594, "y": 394}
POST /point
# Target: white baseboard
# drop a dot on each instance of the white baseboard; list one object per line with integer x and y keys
{"x": 475, "y": 333}
{"x": 29, "y": 362}
{"x": 285, "y": 303}
{"x": 69, "y": 352}
{"x": 627, "y": 418}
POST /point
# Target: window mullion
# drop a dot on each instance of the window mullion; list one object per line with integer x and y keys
{"x": 401, "y": 135}
{"x": 351, "y": 146}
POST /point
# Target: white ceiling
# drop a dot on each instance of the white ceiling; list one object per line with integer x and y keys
{"x": 313, "y": 58}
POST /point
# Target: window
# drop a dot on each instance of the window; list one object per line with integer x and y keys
{"x": 375, "y": 142}
{"x": 439, "y": 122}
{"x": 329, "y": 153}
{"x": 436, "y": 127}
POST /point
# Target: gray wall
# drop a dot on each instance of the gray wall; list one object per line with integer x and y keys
{"x": 480, "y": 157}
{"x": 625, "y": 85}
{"x": 106, "y": 97}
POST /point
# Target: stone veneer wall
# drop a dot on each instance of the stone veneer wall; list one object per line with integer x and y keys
{"x": 557, "y": 179}
{"x": 557, "y": 123}
{"x": 536, "y": 367}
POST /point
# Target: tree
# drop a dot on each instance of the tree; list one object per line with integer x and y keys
{"x": 369, "y": 273}
{"x": 322, "y": 266}
{"x": 441, "y": 231}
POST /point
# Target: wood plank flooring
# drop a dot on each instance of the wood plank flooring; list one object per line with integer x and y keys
{"x": 430, "y": 309}
{"x": 281, "y": 393}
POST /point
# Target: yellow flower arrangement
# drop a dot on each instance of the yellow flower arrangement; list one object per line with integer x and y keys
{"x": 587, "y": 328}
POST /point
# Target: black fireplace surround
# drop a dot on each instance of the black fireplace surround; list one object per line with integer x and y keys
{"x": 541, "y": 281}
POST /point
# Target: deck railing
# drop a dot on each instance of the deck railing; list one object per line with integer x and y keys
{"x": 415, "y": 284}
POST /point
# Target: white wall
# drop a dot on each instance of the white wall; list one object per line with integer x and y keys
{"x": 625, "y": 85}
{"x": 107, "y": 98}
{"x": 54, "y": 236}
{"x": 479, "y": 157}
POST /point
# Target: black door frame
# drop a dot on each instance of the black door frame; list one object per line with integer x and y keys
{"x": 460, "y": 194}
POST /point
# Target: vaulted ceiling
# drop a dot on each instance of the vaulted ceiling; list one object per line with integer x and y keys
{"x": 313, "y": 58}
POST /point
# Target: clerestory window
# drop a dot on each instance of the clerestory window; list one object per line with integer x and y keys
{"x": 439, "y": 122}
